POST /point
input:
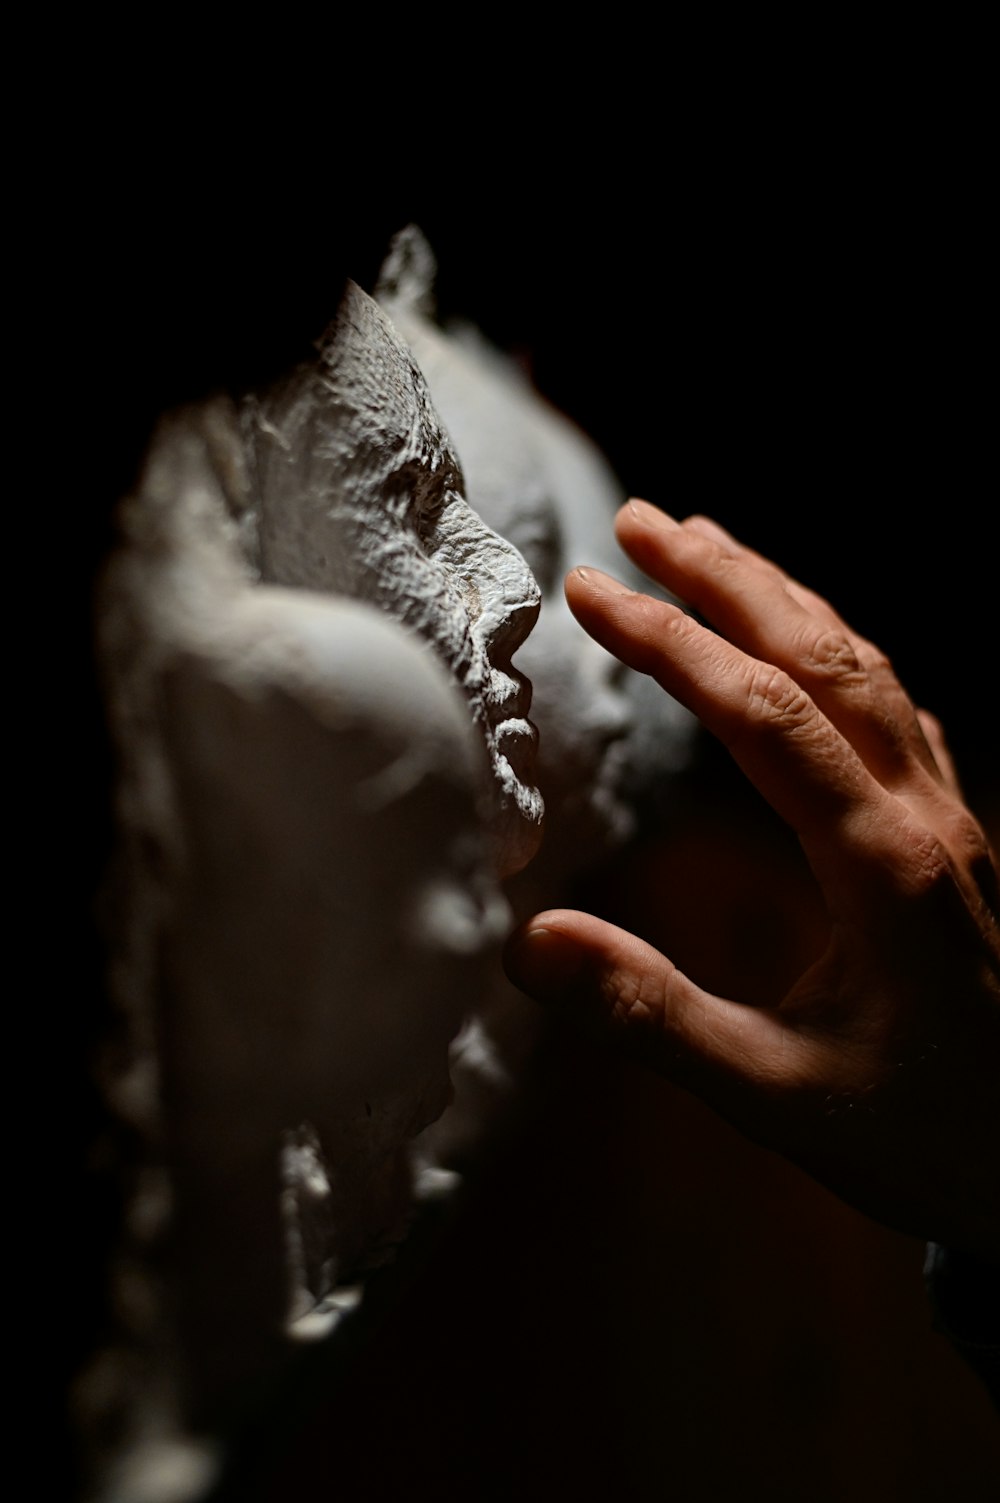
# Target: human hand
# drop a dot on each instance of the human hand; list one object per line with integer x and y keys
{"x": 879, "y": 1071}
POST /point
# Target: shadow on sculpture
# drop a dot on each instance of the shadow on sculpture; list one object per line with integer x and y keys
{"x": 326, "y": 768}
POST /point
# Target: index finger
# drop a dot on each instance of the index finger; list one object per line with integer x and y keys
{"x": 768, "y": 614}
{"x": 806, "y": 769}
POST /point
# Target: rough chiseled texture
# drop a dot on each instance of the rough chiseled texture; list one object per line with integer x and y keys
{"x": 533, "y": 476}
{"x": 356, "y": 489}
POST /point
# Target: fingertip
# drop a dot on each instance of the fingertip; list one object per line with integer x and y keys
{"x": 542, "y": 960}
{"x": 596, "y": 582}
{"x": 646, "y": 515}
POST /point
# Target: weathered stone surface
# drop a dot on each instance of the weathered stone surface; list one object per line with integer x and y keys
{"x": 356, "y": 490}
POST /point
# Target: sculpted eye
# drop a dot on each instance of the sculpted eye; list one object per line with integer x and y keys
{"x": 417, "y": 495}
{"x": 436, "y": 498}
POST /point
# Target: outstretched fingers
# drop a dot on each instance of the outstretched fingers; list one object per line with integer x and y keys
{"x": 759, "y": 608}
{"x": 790, "y": 751}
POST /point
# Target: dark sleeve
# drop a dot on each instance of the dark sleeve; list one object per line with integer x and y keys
{"x": 965, "y": 1296}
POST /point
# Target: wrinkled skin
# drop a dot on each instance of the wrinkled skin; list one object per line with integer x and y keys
{"x": 877, "y": 1071}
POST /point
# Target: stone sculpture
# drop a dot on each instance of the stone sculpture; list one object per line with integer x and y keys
{"x": 358, "y": 491}
{"x": 307, "y": 635}
{"x": 315, "y": 794}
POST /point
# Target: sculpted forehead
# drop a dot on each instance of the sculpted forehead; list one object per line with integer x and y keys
{"x": 389, "y": 422}
{"x": 492, "y": 420}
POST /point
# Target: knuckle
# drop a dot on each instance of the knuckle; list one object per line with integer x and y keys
{"x": 657, "y": 633}
{"x": 925, "y": 868}
{"x": 831, "y": 654}
{"x": 774, "y": 696}
{"x": 943, "y": 858}
{"x": 635, "y": 1000}
{"x": 725, "y": 565}
{"x": 876, "y": 663}
{"x": 674, "y": 623}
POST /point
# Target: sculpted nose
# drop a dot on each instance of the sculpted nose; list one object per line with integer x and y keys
{"x": 515, "y": 622}
{"x": 502, "y": 595}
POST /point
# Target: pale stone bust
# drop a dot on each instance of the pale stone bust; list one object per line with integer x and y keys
{"x": 326, "y": 762}
{"x": 304, "y": 904}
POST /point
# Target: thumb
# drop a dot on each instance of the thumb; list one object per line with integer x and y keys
{"x": 614, "y": 984}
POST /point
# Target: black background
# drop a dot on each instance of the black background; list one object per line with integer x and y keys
{"x": 776, "y": 312}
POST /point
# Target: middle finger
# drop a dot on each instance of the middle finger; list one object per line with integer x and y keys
{"x": 766, "y": 613}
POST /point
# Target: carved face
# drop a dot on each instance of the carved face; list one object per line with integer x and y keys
{"x": 536, "y": 478}
{"x": 359, "y": 493}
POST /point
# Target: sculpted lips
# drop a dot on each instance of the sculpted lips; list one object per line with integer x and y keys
{"x": 510, "y": 701}
{"x": 517, "y": 744}
{"x": 514, "y": 735}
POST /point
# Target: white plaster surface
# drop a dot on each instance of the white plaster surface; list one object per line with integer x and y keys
{"x": 307, "y": 635}
{"x": 356, "y": 490}
{"x": 304, "y": 903}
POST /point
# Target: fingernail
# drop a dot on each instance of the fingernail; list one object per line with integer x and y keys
{"x": 652, "y": 516}
{"x": 602, "y": 583}
{"x": 542, "y": 962}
